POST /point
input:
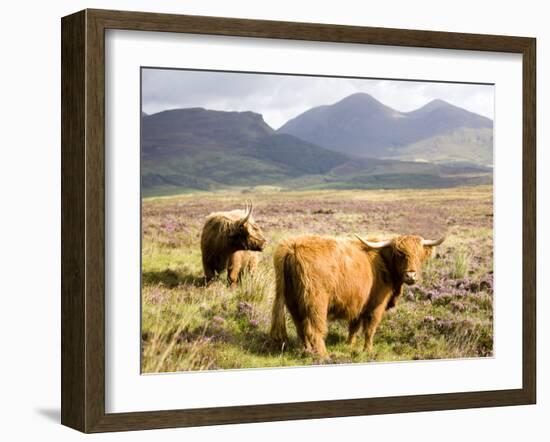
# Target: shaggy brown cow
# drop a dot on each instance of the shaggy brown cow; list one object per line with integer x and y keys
{"x": 239, "y": 263}
{"x": 229, "y": 241}
{"x": 351, "y": 279}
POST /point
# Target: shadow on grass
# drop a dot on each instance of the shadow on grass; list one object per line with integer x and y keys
{"x": 171, "y": 278}
{"x": 259, "y": 343}
{"x": 334, "y": 338}
{"x": 252, "y": 340}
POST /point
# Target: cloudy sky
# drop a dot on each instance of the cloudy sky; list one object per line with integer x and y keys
{"x": 281, "y": 97}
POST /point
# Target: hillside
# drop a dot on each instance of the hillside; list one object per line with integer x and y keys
{"x": 202, "y": 149}
{"x": 373, "y": 173}
{"x": 464, "y": 144}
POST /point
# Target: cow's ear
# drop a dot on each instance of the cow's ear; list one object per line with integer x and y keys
{"x": 428, "y": 250}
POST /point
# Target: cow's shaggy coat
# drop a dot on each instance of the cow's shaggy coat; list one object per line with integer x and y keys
{"x": 230, "y": 241}
{"x": 350, "y": 279}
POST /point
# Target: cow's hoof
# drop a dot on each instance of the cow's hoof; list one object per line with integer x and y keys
{"x": 322, "y": 359}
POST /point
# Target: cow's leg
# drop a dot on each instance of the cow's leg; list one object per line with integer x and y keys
{"x": 239, "y": 263}
{"x": 234, "y": 269}
{"x": 370, "y": 324}
{"x": 295, "y": 313}
{"x": 315, "y": 339}
{"x": 252, "y": 262}
{"x": 209, "y": 266}
{"x": 354, "y": 327}
{"x": 248, "y": 264}
{"x": 301, "y": 334}
{"x": 315, "y": 329}
{"x": 209, "y": 273}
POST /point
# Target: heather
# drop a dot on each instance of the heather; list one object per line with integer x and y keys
{"x": 187, "y": 326}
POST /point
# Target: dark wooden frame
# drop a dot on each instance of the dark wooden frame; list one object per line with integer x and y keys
{"x": 83, "y": 216}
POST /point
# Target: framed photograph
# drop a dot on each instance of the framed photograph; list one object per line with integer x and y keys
{"x": 267, "y": 220}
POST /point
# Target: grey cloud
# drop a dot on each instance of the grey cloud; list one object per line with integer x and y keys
{"x": 279, "y": 98}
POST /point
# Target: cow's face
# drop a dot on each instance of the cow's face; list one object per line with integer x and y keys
{"x": 249, "y": 236}
{"x": 409, "y": 255}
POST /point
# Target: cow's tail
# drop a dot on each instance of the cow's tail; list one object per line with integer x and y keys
{"x": 283, "y": 279}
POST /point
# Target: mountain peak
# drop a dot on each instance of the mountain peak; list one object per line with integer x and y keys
{"x": 359, "y": 96}
{"x": 431, "y": 106}
{"x": 360, "y": 99}
{"x": 437, "y": 102}
{"x": 360, "y": 105}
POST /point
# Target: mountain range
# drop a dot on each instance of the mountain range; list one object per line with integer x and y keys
{"x": 360, "y": 125}
{"x": 356, "y": 142}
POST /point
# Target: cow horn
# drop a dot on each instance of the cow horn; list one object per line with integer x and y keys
{"x": 433, "y": 242}
{"x": 248, "y": 212}
{"x": 374, "y": 244}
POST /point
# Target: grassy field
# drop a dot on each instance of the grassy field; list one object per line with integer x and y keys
{"x": 186, "y": 326}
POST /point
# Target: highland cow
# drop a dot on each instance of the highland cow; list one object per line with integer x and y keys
{"x": 352, "y": 279}
{"x": 230, "y": 241}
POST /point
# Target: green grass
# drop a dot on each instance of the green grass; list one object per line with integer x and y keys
{"x": 460, "y": 263}
{"x": 187, "y": 326}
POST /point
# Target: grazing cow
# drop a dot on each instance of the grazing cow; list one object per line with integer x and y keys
{"x": 229, "y": 241}
{"x": 351, "y": 279}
